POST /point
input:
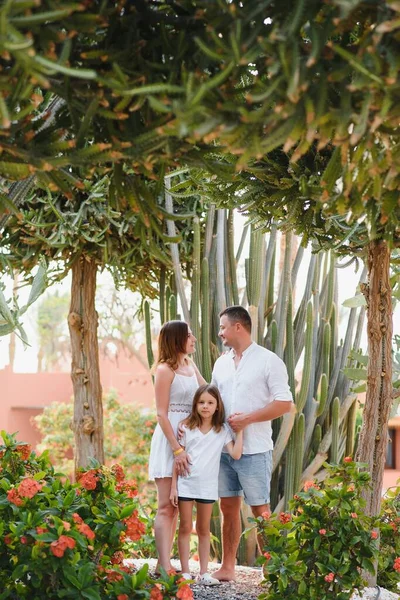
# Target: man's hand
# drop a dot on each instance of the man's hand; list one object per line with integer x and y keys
{"x": 174, "y": 497}
{"x": 237, "y": 421}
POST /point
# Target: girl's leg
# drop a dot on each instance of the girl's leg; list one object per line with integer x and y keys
{"x": 164, "y": 523}
{"x": 203, "y": 531}
{"x": 184, "y": 533}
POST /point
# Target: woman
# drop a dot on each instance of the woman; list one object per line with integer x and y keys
{"x": 176, "y": 381}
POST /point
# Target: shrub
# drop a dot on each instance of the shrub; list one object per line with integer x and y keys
{"x": 127, "y": 435}
{"x": 389, "y": 550}
{"x": 318, "y": 551}
{"x": 63, "y": 540}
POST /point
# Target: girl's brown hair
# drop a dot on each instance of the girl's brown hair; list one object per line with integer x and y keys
{"x": 172, "y": 342}
{"x": 218, "y": 418}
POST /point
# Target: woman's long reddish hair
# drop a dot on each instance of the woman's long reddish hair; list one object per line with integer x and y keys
{"x": 218, "y": 418}
{"x": 172, "y": 343}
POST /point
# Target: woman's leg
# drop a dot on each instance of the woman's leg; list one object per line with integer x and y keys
{"x": 164, "y": 523}
{"x": 184, "y": 533}
{"x": 203, "y": 531}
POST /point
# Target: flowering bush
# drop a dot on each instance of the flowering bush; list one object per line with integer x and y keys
{"x": 63, "y": 540}
{"x": 389, "y": 551}
{"x": 318, "y": 551}
{"x": 127, "y": 435}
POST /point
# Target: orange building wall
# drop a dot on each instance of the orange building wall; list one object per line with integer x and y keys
{"x": 24, "y": 395}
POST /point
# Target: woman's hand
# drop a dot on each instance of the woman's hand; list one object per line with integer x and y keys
{"x": 182, "y": 463}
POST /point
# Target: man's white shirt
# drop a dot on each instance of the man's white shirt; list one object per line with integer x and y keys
{"x": 259, "y": 379}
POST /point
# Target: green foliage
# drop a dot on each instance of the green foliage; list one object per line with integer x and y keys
{"x": 64, "y": 540}
{"x": 318, "y": 551}
{"x": 10, "y": 316}
{"x": 389, "y": 542}
{"x": 127, "y": 436}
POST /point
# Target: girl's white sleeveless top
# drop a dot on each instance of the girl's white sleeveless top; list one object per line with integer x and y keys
{"x": 180, "y": 404}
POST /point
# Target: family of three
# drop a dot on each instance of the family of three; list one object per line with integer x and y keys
{"x": 213, "y": 440}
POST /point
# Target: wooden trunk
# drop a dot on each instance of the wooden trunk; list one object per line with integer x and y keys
{"x": 88, "y": 408}
{"x": 379, "y": 397}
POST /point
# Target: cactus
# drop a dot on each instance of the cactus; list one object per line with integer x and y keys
{"x": 334, "y": 453}
{"x": 306, "y": 336}
{"x": 147, "y": 321}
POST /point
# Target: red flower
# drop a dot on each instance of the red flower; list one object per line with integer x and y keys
{"x": 310, "y": 484}
{"x": 113, "y": 575}
{"x": 267, "y": 555}
{"x": 329, "y": 577}
{"x": 396, "y": 565}
{"x": 29, "y": 488}
{"x": 76, "y": 518}
{"x": 41, "y": 530}
{"x": 374, "y": 535}
{"x": 134, "y": 528}
{"x": 155, "y": 593}
{"x": 118, "y": 472}
{"x": 284, "y": 517}
{"x": 89, "y": 480}
{"x": 7, "y": 539}
{"x": 117, "y": 558}
{"x": 347, "y": 459}
{"x": 59, "y": 546}
{"x": 122, "y": 597}
{"x": 24, "y": 450}
{"x": 12, "y": 496}
{"x": 322, "y": 531}
{"x": 23, "y": 539}
{"x": 184, "y": 593}
{"x": 354, "y": 515}
{"x": 85, "y": 530}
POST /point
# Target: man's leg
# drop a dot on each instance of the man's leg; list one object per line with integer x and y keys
{"x": 231, "y": 530}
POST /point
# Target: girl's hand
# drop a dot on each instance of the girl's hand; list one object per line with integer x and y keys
{"x": 182, "y": 464}
{"x": 174, "y": 497}
{"x": 237, "y": 421}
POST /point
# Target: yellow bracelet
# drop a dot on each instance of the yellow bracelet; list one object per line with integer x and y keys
{"x": 176, "y": 452}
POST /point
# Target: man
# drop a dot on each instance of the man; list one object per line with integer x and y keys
{"x": 253, "y": 381}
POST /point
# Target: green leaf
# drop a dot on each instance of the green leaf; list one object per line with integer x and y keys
{"x": 356, "y": 374}
{"x": 127, "y": 511}
{"x": 355, "y": 301}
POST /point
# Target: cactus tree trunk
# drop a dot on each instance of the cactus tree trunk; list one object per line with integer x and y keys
{"x": 85, "y": 373}
{"x": 374, "y": 433}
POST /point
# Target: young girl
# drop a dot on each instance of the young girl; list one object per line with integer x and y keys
{"x": 204, "y": 437}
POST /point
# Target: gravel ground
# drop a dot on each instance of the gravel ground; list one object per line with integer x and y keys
{"x": 247, "y": 585}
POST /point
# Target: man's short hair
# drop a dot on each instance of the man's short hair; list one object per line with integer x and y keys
{"x": 238, "y": 314}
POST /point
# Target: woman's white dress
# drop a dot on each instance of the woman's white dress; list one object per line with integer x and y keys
{"x": 181, "y": 395}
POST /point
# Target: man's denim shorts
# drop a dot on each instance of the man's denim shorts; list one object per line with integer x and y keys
{"x": 249, "y": 476}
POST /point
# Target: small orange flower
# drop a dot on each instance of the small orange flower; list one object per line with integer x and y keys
{"x": 24, "y": 450}
{"x": 134, "y": 527}
{"x": 118, "y": 472}
{"x": 267, "y": 555}
{"x": 122, "y": 597}
{"x": 85, "y": 530}
{"x": 310, "y": 484}
{"x": 322, "y": 531}
{"x": 29, "y": 488}
{"x": 354, "y": 515}
{"x": 374, "y": 535}
{"x": 76, "y": 518}
{"x": 184, "y": 593}
{"x": 59, "y": 546}
{"x": 396, "y": 565}
{"x": 347, "y": 459}
{"x": 89, "y": 480}
{"x": 284, "y": 517}
{"x": 155, "y": 593}
{"x": 23, "y": 539}
{"x": 12, "y": 496}
{"x": 329, "y": 578}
